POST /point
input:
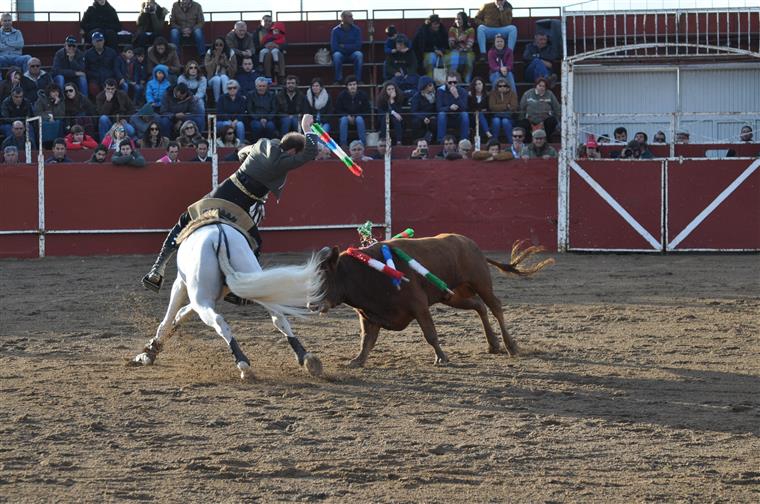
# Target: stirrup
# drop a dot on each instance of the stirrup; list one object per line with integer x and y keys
{"x": 153, "y": 281}
{"x": 236, "y": 300}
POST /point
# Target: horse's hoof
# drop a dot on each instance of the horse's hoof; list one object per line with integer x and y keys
{"x": 142, "y": 359}
{"x": 312, "y": 365}
{"x": 245, "y": 370}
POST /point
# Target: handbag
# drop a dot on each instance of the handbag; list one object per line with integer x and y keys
{"x": 439, "y": 72}
{"x": 323, "y": 57}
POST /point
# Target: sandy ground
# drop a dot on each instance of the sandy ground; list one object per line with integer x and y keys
{"x": 639, "y": 380}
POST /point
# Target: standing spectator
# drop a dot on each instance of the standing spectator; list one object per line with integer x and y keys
{"x": 246, "y": 76}
{"x": 430, "y": 44}
{"x": 465, "y": 148}
{"x": 172, "y": 154}
{"x": 10, "y": 155}
{"x": 345, "y": 44}
{"x": 449, "y": 151}
{"x": 59, "y": 152}
{"x": 461, "y": 56}
{"x": 389, "y": 102}
{"x": 132, "y": 74}
{"x": 401, "y": 65}
{"x": 201, "y": 152}
{"x": 240, "y": 41}
{"x": 115, "y": 137}
{"x": 78, "y": 109}
{"x": 495, "y": 18}
{"x": 291, "y": 105}
{"x": 537, "y": 56}
{"x": 390, "y": 39}
{"x": 228, "y": 138}
{"x": 271, "y": 43}
{"x": 352, "y": 105}
{"x": 100, "y": 63}
{"x": 178, "y": 106}
{"x": 77, "y": 139}
{"x": 356, "y": 152}
{"x": 318, "y": 103}
{"x": 539, "y": 148}
{"x": 152, "y": 139}
{"x": 746, "y": 133}
{"x": 13, "y": 79}
{"x": 220, "y": 63}
{"x": 51, "y": 108}
{"x": 11, "y": 44}
{"x": 502, "y": 102}
{"x": 621, "y": 135}
{"x": 477, "y": 103}
{"x": 113, "y": 105}
{"x": 262, "y": 109}
{"x": 35, "y": 79}
{"x": 151, "y": 23}
{"x": 14, "y": 108}
{"x": 17, "y": 137}
{"x": 99, "y": 156}
{"x": 232, "y": 109}
{"x": 451, "y": 103}
{"x": 187, "y": 21}
{"x": 518, "y": 141}
{"x": 195, "y": 81}
{"x": 188, "y": 134}
{"x": 128, "y": 156}
{"x": 163, "y": 53}
{"x": 501, "y": 62}
{"x": 68, "y": 65}
{"x": 156, "y": 87}
{"x": 540, "y": 108}
{"x": 421, "y": 151}
{"x": 423, "y": 110}
{"x": 101, "y": 18}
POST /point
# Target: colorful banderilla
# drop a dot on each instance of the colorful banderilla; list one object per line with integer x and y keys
{"x": 335, "y": 148}
{"x": 375, "y": 264}
{"x": 419, "y": 268}
{"x": 406, "y": 233}
{"x": 389, "y": 261}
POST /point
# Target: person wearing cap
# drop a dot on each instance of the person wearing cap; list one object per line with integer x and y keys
{"x": 346, "y": 44}
{"x": 538, "y": 149}
{"x": 592, "y": 149}
{"x": 495, "y": 17}
{"x": 112, "y": 104}
{"x": 187, "y": 21}
{"x": 540, "y": 108}
{"x": 11, "y": 44}
{"x": 682, "y": 136}
{"x": 177, "y": 106}
{"x": 68, "y": 65}
{"x": 430, "y": 44}
{"x": 401, "y": 65}
{"x": 101, "y": 63}
{"x": 102, "y": 18}
{"x": 10, "y": 155}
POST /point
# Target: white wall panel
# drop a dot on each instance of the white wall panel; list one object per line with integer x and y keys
{"x": 721, "y": 90}
{"x": 626, "y": 91}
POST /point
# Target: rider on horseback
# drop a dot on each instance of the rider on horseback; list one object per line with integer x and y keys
{"x": 265, "y": 166}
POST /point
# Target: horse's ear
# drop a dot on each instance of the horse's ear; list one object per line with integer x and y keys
{"x": 332, "y": 260}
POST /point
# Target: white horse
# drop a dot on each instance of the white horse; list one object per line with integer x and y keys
{"x": 218, "y": 253}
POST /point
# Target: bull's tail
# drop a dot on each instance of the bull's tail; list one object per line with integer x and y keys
{"x": 518, "y": 256}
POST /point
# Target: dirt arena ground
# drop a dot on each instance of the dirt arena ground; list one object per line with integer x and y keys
{"x": 639, "y": 380}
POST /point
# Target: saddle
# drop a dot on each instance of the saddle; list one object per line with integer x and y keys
{"x": 214, "y": 210}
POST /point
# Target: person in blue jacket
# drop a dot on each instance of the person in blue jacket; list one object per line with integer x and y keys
{"x": 451, "y": 103}
{"x": 68, "y": 65}
{"x": 345, "y": 43}
{"x": 101, "y": 64}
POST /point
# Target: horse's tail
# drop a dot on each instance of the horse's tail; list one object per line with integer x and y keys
{"x": 286, "y": 289}
{"x": 518, "y": 256}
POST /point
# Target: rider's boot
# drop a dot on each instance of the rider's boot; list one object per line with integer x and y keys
{"x": 155, "y": 278}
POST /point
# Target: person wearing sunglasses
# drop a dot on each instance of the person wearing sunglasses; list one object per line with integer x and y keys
{"x": 451, "y": 104}
{"x": 518, "y": 142}
{"x": 35, "y": 79}
{"x": 11, "y": 44}
{"x": 502, "y": 102}
{"x": 196, "y": 83}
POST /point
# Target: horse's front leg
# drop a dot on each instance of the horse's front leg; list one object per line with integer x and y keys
{"x": 309, "y": 361}
{"x": 167, "y": 326}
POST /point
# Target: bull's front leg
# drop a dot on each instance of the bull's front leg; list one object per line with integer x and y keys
{"x": 369, "y": 338}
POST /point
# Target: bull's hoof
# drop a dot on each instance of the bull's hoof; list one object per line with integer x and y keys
{"x": 495, "y": 350}
{"x": 355, "y": 363}
{"x": 313, "y": 365}
{"x": 441, "y": 360}
{"x": 245, "y": 370}
{"x": 142, "y": 359}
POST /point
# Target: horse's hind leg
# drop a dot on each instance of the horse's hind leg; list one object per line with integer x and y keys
{"x": 310, "y": 362}
{"x": 212, "y": 319}
{"x": 475, "y": 303}
{"x": 167, "y": 325}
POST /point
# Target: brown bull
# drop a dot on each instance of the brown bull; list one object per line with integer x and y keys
{"x": 456, "y": 259}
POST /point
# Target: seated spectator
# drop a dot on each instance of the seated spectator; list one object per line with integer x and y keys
{"x": 163, "y": 53}
{"x": 51, "y": 108}
{"x": 492, "y": 153}
{"x": 13, "y": 78}
{"x": 189, "y": 135}
{"x": 11, "y": 44}
{"x": 68, "y": 66}
{"x": 17, "y": 137}
{"x": 430, "y": 44}
{"x": 113, "y": 105}
{"x": 345, "y": 45}
{"x": 389, "y": 102}
{"x": 178, "y": 106}
{"x": 14, "y": 108}
{"x": 101, "y": 18}
{"x": 451, "y": 104}
{"x": 241, "y": 41}
{"x": 746, "y": 133}
{"x": 151, "y": 23}
{"x": 196, "y": 82}
{"x": 77, "y": 139}
{"x": 391, "y": 33}
{"x": 537, "y": 56}
{"x": 592, "y": 149}
{"x": 232, "y": 109}
{"x": 35, "y": 79}
{"x": 356, "y": 152}
{"x": 352, "y": 105}
{"x": 423, "y": 109}
{"x": 186, "y": 21}
{"x": 78, "y": 109}
{"x": 156, "y": 88}
{"x": 172, "y": 154}
{"x": 220, "y": 64}
{"x": 291, "y": 104}
{"x": 502, "y": 102}
{"x": 318, "y": 103}
{"x": 116, "y": 136}
{"x": 450, "y": 150}
{"x": 262, "y": 109}
{"x": 682, "y": 136}
{"x": 421, "y": 149}
{"x": 228, "y": 138}
{"x": 10, "y": 155}
{"x": 152, "y": 139}
{"x": 500, "y": 63}
{"x": 272, "y": 51}
{"x": 380, "y": 149}
{"x": 246, "y": 76}
{"x": 100, "y": 63}
{"x": 201, "y": 152}
{"x": 100, "y": 155}
{"x": 477, "y": 103}
{"x": 461, "y": 56}
{"x": 539, "y": 148}
{"x": 465, "y": 148}
{"x": 659, "y": 137}
{"x": 132, "y": 74}
{"x": 495, "y": 18}
{"x": 127, "y": 156}
{"x": 401, "y": 65}
{"x": 59, "y": 152}
{"x": 540, "y": 108}
{"x": 518, "y": 142}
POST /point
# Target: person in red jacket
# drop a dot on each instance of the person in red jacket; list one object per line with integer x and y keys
{"x": 77, "y": 139}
